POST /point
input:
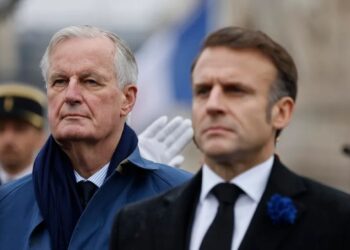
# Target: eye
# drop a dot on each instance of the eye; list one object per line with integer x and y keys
{"x": 202, "y": 90}
{"x": 20, "y": 127}
{"x": 58, "y": 82}
{"x": 90, "y": 81}
{"x": 235, "y": 90}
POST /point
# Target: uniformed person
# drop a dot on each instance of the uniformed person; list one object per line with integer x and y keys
{"x": 21, "y": 128}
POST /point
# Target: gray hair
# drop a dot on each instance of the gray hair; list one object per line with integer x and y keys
{"x": 124, "y": 61}
{"x": 277, "y": 91}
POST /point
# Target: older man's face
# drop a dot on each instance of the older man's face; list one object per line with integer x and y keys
{"x": 85, "y": 102}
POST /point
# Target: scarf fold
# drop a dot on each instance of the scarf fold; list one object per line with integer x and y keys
{"x": 55, "y": 186}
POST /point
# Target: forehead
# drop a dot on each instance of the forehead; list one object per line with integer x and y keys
{"x": 226, "y": 63}
{"x": 82, "y": 51}
{"x": 14, "y": 122}
{"x": 90, "y": 43}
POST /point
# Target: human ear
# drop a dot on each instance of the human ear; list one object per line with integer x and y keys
{"x": 129, "y": 99}
{"x": 281, "y": 112}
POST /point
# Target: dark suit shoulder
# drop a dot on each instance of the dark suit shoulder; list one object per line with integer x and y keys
{"x": 291, "y": 184}
{"x": 138, "y": 224}
{"x": 324, "y": 196}
{"x": 150, "y": 205}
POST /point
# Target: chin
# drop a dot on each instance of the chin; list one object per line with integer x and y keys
{"x": 216, "y": 150}
{"x": 216, "y": 145}
{"x": 13, "y": 161}
{"x": 71, "y": 136}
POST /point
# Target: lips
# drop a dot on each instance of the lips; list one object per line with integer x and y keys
{"x": 217, "y": 129}
{"x": 73, "y": 115}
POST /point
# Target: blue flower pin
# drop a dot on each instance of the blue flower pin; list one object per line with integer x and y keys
{"x": 281, "y": 210}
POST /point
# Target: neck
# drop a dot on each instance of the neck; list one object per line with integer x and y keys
{"x": 232, "y": 166}
{"x": 88, "y": 158}
{"x": 13, "y": 170}
{"x": 8, "y": 173}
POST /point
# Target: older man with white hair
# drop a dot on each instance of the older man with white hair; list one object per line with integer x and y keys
{"x": 90, "y": 165}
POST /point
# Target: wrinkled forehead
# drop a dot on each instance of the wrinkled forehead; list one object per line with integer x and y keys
{"x": 83, "y": 55}
{"x": 101, "y": 43}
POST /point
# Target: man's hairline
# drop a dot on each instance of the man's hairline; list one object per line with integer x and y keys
{"x": 64, "y": 39}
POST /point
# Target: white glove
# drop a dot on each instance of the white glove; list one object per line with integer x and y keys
{"x": 162, "y": 141}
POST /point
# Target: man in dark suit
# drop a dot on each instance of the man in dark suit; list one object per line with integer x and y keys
{"x": 244, "y": 92}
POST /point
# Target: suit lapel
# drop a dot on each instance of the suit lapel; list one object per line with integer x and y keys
{"x": 262, "y": 233}
{"x": 176, "y": 218}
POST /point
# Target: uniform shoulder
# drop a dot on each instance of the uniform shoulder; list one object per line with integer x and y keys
{"x": 19, "y": 187}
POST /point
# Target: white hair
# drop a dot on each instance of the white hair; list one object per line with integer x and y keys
{"x": 124, "y": 61}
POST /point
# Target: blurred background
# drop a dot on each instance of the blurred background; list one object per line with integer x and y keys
{"x": 166, "y": 34}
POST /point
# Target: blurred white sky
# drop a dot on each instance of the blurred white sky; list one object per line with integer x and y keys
{"x": 135, "y": 15}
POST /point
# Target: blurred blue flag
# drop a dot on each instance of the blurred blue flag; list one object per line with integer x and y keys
{"x": 164, "y": 63}
{"x": 190, "y": 35}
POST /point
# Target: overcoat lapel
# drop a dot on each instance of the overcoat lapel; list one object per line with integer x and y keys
{"x": 262, "y": 234}
{"x": 176, "y": 218}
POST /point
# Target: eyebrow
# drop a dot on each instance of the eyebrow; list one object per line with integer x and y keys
{"x": 88, "y": 74}
{"x": 224, "y": 84}
{"x": 56, "y": 75}
{"x": 81, "y": 75}
{"x": 95, "y": 75}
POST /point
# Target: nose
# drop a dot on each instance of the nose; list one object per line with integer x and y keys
{"x": 7, "y": 134}
{"x": 215, "y": 101}
{"x": 73, "y": 92}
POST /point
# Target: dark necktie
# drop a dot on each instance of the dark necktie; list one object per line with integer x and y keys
{"x": 219, "y": 234}
{"x": 86, "y": 190}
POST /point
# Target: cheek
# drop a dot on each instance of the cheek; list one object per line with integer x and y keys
{"x": 257, "y": 124}
{"x": 254, "y": 113}
{"x": 196, "y": 124}
{"x": 51, "y": 114}
{"x": 107, "y": 109}
{"x": 198, "y": 111}
{"x": 52, "y": 118}
{"x": 53, "y": 107}
{"x": 195, "y": 120}
{"x": 29, "y": 143}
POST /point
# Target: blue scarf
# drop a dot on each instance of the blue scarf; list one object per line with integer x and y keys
{"x": 55, "y": 186}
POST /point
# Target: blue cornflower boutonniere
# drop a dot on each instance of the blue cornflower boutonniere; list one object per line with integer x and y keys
{"x": 281, "y": 209}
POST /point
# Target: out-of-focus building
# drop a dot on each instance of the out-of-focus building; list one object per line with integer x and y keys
{"x": 8, "y": 41}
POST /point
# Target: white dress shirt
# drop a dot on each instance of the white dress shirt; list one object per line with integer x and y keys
{"x": 97, "y": 178}
{"x": 252, "y": 182}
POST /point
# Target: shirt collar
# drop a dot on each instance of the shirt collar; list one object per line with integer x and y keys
{"x": 97, "y": 178}
{"x": 253, "y": 181}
